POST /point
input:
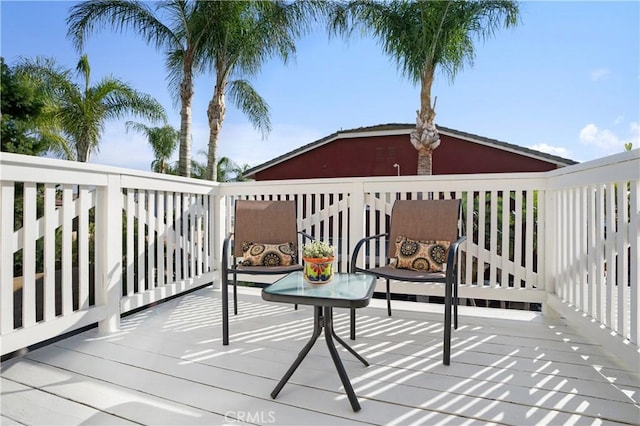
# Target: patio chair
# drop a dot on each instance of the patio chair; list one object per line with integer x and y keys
{"x": 417, "y": 252}
{"x": 264, "y": 242}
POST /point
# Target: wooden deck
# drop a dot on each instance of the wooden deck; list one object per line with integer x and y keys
{"x": 168, "y": 366}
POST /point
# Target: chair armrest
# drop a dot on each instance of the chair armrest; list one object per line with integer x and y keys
{"x": 453, "y": 257}
{"x": 356, "y": 250}
{"x": 306, "y": 236}
{"x": 225, "y": 257}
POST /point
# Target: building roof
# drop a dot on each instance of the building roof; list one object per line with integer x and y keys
{"x": 399, "y": 129}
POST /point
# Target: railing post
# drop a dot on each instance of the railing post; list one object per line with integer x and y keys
{"x": 356, "y": 218}
{"x": 7, "y": 207}
{"x": 109, "y": 253}
{"x": 218, "y": 233}
{"x": 548, "y": 252}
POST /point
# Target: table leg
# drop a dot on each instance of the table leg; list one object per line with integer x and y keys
{"x": 349, "y": 348}
{"x": 317, "y": 329}
{"x": 328, "y": 334}
{"x": 352, "y": 321}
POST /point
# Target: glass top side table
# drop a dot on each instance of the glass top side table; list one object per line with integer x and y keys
{"x": 343, "y": 291}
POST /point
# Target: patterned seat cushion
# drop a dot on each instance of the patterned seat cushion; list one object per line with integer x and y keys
{"x": 423, "y": 256}
{"x": 261, "y": 254}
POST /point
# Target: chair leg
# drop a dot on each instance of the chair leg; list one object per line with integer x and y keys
{"x": 235, "y": 295}
{"x": 225, "y": 310}
{"x": 446, "y": 353}
{"x": 455, "y": 304}
{"x": 388, "y": 298}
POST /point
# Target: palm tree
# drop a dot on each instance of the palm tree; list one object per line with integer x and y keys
{"x": 28, "y": 125}
{"x": 80, "y": 110}
{"x": 230, "y": 171}
{"x": 244, "y": 35}
{"x": 227, "y": 170}
{"x": 224, "y": 168}
{"x": 425, "y": 36}
{"x": 241, "y": 172}
{"x": 176, "y": 26}
{"x": 163, "y": 140}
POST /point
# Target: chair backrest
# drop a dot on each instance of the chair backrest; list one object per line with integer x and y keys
{"x": 424, "y": 220}
{"x": 269, "y": 222}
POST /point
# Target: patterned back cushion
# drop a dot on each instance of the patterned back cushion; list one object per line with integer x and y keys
{"x": 260, "y": 254}
{"x": 422, "y": 256}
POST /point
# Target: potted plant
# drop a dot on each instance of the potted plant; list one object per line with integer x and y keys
{"x": 318, "y": 257}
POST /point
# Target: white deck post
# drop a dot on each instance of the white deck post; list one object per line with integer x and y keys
{"x": 547, "y": 254}
{"x": 109, "y": 253}
{"x": 7, "y": 192}
{"x": 356, "y": 218}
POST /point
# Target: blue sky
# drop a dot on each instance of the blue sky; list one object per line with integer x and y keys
{"x": 565, "y": 81}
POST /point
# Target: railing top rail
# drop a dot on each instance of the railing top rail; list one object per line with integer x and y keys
{"x": 529, "y": 180}
{"x": 13, "y": 166}
{"x": 617, "y": 167}
{"x": 611, "y": 160}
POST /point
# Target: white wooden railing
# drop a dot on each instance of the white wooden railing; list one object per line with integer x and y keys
{"x": 96, "y": 242}
{"x": 592, "y": 257}
{"x": 512, "y": 274}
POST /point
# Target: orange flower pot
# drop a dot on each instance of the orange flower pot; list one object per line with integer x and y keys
{"x": 318, "y": 270}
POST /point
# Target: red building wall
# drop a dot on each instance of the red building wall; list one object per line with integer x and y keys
{"x": 376, "y": 155}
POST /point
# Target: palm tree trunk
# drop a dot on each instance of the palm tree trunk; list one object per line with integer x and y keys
{"x": 425, "y": 137}
{"x": 215, "y": 113}
{"x": 425, "y": 161}
{"x": 82, "y": 152}
{"x": 186, "y": 96}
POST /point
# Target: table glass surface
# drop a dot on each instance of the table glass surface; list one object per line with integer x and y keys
{"x": 343, "y": 287}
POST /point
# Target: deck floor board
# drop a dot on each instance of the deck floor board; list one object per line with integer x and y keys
{"x": 167, "y": 366}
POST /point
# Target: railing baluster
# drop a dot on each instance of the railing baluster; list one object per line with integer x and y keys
{"x": 170, "y": 237}
{"x": 66, "y": 285}
{"x": 506, "y": 230}
{"x": 610, "y": 272}
{"x": 600, "y": 279}
{"x": 49, "y": 253}
{"x": 82, "y": 238}
{"x": 493, "y": 238}
{"x": 29, "y": 255}
{"x": 151, "y": 240}
{"x": 161, "y": 240}
{"x": 130, "y": 242}
{"x": 622, "y": 264}
{"x": 529, "y": 242}
{"x": 482, "y": 201}
{"x": 470, "y": 241}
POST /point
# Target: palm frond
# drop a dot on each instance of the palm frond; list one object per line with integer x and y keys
{"x": 421, "y": 35}
{"x": 121, "y": 15}
{"x": 247, "y": 100}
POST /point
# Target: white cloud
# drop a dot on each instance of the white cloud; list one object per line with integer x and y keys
{"x": 606, "y": 140}
{"x": 240, "y": 142}
{"x": 554, "y": 150}
{"x": 244, "y": 145}
{"x": 121, "y": 149}
{"x": 599, "y": 74}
